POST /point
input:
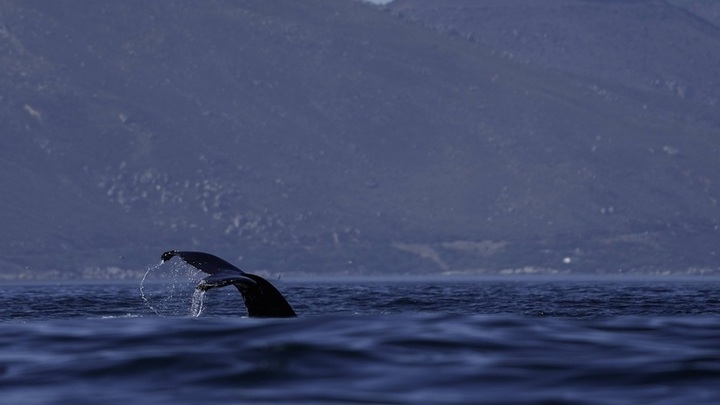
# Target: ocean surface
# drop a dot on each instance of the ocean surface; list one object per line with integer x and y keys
{"x": 377, "y": 341}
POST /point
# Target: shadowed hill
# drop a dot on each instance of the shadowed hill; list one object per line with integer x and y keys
{"x": 667, "y": 52}
{"x": 327, "y": 136}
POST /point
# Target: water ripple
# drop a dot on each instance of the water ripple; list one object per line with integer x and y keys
{"x": 447, "y": 344}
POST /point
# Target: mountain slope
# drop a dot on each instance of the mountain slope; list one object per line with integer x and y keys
{"x": 668, "y": 52}
{"x": 327, "y": 136}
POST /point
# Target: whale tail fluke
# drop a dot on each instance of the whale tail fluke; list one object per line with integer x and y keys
{"x": 202, "y": 261}
{"x": 261, "y": 298}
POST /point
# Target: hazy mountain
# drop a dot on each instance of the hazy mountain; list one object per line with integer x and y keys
{"x": 706, "y": 9}
{"x": 668, "y": 52}
{"x": 337, "y": 137}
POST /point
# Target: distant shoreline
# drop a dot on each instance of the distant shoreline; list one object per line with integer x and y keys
{"x": 404, "y": 278}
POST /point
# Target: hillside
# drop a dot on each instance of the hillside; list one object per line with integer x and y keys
{"x": 331, "y": 137}
{"x": 665, "y": 51}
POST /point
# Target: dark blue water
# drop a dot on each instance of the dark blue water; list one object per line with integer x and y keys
{"x": 426, "y": 341}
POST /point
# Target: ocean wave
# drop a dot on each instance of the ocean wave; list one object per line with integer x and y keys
{"x": 436, "y": 358}
{"x": 359, "y": 342}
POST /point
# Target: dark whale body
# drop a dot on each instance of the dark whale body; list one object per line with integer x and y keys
{"x": 261, "y": 298}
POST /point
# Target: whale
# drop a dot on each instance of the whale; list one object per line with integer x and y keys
{"x": 261, "y": 298}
